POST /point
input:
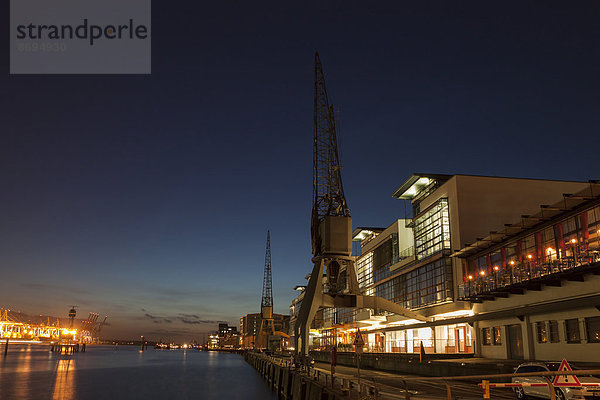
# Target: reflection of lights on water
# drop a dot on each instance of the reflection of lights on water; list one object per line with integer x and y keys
{"x": 64, "y": 384}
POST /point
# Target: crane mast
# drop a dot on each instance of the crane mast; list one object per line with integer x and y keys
{"x": 267, "y": 327}
{"x": 328, "y": 191}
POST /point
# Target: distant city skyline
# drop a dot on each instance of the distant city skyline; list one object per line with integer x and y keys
{"x": 148, "y": 198}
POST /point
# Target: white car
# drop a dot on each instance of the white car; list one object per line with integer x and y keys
{"x": 563, "y": 393}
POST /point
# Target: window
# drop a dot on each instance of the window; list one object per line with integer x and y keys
{"x": 593, "y": 329}
{"x": 429, "y": 284}
{"x": 572, "y": 330}
{"x": 553, "y": 330}
{"x": 432, "y": 230}
{"x": 496, "y": 335}
{"x": 542, "y": 334}
{"x": 486, "y": 334}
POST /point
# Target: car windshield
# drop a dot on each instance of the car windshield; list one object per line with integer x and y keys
{"x": 554, "y": 366}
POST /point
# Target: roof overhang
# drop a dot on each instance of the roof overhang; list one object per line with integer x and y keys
{"x": 413, "y": 185}
{"x": 361, "y": 233}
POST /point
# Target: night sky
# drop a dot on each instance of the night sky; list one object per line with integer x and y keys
{"x": 148, "y": 198}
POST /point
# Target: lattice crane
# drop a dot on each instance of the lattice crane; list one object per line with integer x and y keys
{"x": 331, "y": 229}
{"x": 267, "y": 327}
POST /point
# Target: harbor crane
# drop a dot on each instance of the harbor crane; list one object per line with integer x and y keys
{"x": 267, "y": 326}
{"x": 268, "y": 337}
{"x": 333, "y": 281}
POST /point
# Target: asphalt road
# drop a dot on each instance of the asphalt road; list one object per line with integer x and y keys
{"x": 391, "y": 386}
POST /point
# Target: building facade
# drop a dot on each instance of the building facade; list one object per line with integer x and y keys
{"x": 250, "y": 327}
{"x": 412, "y": 261}
{"x": 534, "y": 285}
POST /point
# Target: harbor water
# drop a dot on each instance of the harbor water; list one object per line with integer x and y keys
{"x": 33, "y": 372}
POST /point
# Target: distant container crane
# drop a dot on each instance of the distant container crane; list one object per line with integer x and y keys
{"x": 12, "y": 327}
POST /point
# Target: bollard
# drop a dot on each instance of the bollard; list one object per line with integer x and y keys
{"x": 406, "y": 393}
{"x": 448, "y": 391}
{"x": 6, "y": 348}
{"x": 485, "y": 385}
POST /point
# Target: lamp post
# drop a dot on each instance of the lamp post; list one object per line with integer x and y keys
{"x": 512, "y": 271}
{"x": 496, "y": 276}
{"x": 470, "y": 278}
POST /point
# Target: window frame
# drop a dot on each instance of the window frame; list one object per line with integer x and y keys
{"x": 567, "y": 336}
{"x": 592, "y": 338}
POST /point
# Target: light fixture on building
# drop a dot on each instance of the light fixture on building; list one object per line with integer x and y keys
{"x": 529, "y": 256}
{"x": 573, "y": 240}
{"x": 482, "y": 273}
{"x": 470, "y": 277}
{"x": 512, "y": 262}
{"x": 496, "y": 268}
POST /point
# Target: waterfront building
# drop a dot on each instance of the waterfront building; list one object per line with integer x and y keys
{"x": 412, "y": 261}
{"x": 534, "y": 284}
{"x": 250, "y": 326}
{"x": 225, "y": 330}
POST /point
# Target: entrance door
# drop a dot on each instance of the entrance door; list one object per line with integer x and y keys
{"x": 515, "y": 338}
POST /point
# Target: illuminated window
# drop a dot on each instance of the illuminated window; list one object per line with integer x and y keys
{"x": 486, "y": 335}
{"x": 496, "y": 335}
{"x": 572, "y": 330}
{"x": 429, "y": 284}
{"x": 542, "y": 333}
{"x": 432, "y": 230}
{"x": 593, "y": 329}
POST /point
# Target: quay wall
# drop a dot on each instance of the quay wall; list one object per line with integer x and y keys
{"x": 411, "y": 364}
{"x": 291, "y": 384}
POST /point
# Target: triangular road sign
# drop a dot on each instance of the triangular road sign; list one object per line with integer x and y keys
{"x": 358, "y": 339}
{"x": 565, "y": 380}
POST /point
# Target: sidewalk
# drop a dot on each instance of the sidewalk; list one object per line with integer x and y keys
{"x": 392, "y": 385}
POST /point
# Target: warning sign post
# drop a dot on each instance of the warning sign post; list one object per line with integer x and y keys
{"x": 565, "y": 380}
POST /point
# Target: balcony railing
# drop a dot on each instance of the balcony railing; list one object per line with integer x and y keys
{"x": 515, "y": 274}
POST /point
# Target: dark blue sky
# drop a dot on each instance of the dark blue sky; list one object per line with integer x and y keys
{"x": 148, "y": 197}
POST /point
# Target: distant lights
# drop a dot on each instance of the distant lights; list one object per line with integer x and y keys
{"x": 512, "y": 262}
{"x": 496, "y": 268}
{"x": 482, "y": 273}
{"x": 470, "y": 277}
{"x": 529, "y": 256}
{"x": 573, "y": 240}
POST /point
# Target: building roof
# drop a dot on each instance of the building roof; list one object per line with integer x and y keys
{"x": 416, "y": 182}
{"x": 547, "y": 213}
{"x": 411, "y": 187}
{"x": 361, "y": 232}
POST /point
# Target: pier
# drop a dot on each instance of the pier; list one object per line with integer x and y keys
{"x": 292, "y": 382}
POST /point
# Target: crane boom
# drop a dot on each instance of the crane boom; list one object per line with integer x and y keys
{"x": 328, "y": 191}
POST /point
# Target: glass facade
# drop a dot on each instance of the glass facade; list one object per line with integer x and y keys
{"x": 432, "y": 230}
{"x": 429, "y": 284}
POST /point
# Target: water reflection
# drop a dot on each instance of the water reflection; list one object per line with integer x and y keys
{"x": 21, "y": 388}
{"x": 64, "y": 382}
{"x": 154, "y": 374}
